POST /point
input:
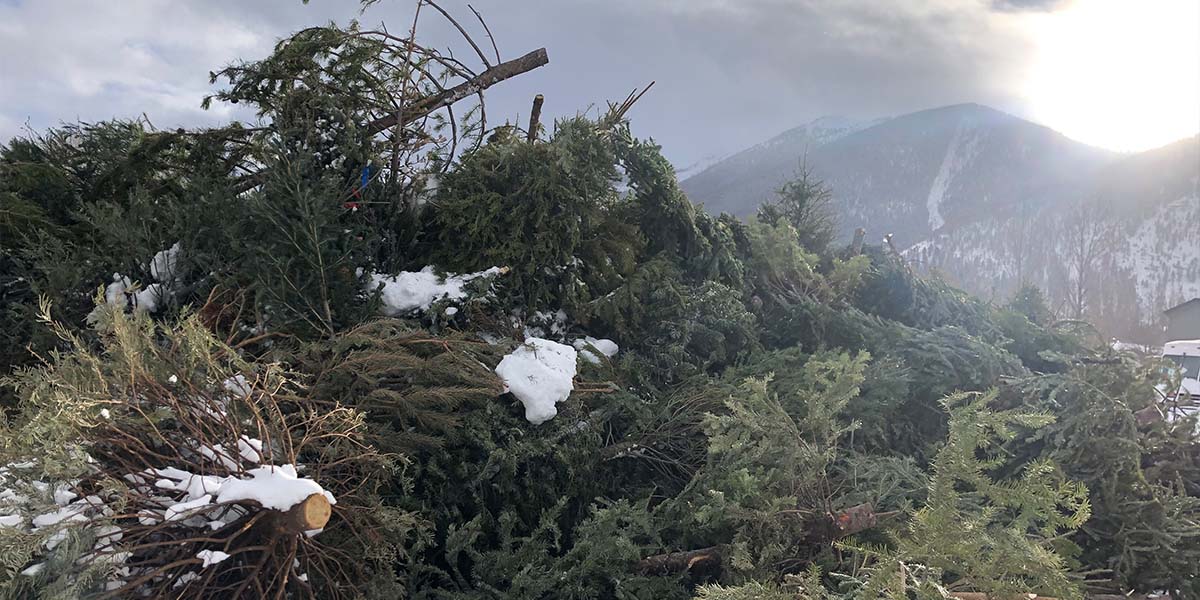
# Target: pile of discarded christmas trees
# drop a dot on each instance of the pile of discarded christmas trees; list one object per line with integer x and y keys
{"x": 376, "y": 346}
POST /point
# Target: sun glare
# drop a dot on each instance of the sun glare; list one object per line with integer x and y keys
{"x": 1120, "y": 74}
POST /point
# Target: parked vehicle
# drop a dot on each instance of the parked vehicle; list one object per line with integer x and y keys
{"x": 1185, "y": 356}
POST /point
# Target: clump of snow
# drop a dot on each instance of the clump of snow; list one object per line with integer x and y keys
{"x": 65, "y": 514}
{"x": 162, "y": 266}
{"x": 211, "y": 557}
{"x": 179, "y": 480}
{"x": 150, "y": 297}
{"x": 279, "y": 488}
{"x": 275, "y": 487}
{"x": 114, "y": 294}
{"x": 63, "y": 496}
{"x": 412, "y": 291}
{"x": 585, "y": 346}
{"x": 249, "y": 449}
{"x": 540, "y": 374}
{"x": 185, "y": 579}
{"x": 183, "y": 510}
{"x": 11, "y": 520}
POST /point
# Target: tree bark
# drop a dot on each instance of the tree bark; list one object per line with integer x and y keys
{"x": 535, "y": 116}
{"x": 677, "y": 562}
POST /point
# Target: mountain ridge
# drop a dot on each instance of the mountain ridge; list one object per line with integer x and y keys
{"x": 986, "y": 198}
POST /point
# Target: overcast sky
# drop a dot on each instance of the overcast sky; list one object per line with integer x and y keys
{"x": 729, "y": 73}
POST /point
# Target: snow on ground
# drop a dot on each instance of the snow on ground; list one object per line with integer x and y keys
{"x": 540, "y": 373}
{"x": 411, "y": 291}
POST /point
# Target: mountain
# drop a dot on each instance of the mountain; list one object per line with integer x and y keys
{"x": 1127, "y": 248}
{"x": 991, "y": 200}
{"x": 738, "y": 184}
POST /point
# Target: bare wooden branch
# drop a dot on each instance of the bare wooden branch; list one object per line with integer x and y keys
{"x": 678, "y": 562}
{"x": 466, "y": 36}
{"x": 487, "y": 30}
{"x": 616, "y": 112}
{"x": 474, "y": 85}
{"x": 535, "y": 116}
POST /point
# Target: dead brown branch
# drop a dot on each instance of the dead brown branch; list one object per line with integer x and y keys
{"x": 474, "y": 85}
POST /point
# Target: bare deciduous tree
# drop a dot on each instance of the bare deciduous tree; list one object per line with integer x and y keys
{"x": 1088, "y": 237}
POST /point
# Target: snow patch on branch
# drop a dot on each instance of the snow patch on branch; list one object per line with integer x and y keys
{"x": 278, "y": 488}
{"x": 162, "y": 266}
{"x": 121, "y": 293}
{"x": 540, "y": 373}
{"x": 413, "y": 291}
{"x": 586, "y": 346}
{"x": 211, "y": 557}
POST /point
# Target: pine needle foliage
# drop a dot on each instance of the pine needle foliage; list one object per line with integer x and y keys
{"x": 152, "y": 397}
{"x": 412, "y": 386}
{"x": 978, "y": 532}
{"x": 805, "y": 203}
{"x": 547, "y": 210}
{"x": 1142, "y": 477}
{"x": 767, "y": 467}
{"x": 766, "y": 384}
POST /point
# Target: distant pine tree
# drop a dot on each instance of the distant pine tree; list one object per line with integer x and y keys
{"x": 807, "y": 204}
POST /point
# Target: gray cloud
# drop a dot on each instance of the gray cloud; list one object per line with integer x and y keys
{"x": 729, "y": 73}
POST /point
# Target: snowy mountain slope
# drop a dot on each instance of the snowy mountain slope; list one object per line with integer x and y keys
{"x": 917, "y": 173}
{"x": 988, "y": 199}
{"x": 683, "y": 172}
{"x": 1147, "y": 206}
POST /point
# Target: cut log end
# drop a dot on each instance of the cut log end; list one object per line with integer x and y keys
{"x": 312, "y": 513}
